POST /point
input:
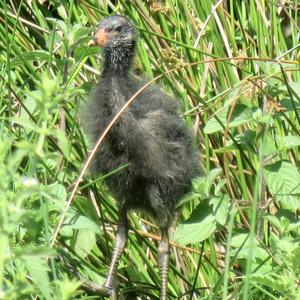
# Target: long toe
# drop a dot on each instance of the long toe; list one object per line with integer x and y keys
{"x": 108, "y": 291}
{"x": 104, "y": 291}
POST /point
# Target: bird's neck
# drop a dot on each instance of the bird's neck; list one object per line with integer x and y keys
{"x": 118, "y": 61}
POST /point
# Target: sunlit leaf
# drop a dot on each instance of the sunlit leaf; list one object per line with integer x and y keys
{"x": 198, "y": 227}
{"x": 283, "y": 180}
{"x": 85, "y": 241}
{"x": 220, "y": 208}
{"x": 38, "y": 270}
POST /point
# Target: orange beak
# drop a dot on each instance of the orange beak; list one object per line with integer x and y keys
{"x": 100, "y": 38}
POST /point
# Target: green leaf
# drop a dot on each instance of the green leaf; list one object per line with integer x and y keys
{"x": 284, "y": 244}
{"x": 287, "y": 142}
{"x": 245, "y": 141}
{"x": 220, "y": 208}
{"x": 282, "y": 142}
{"x": 288, "y": 105}
{"x": 85, "y": 241}
{"x": 272, "y": 280}
{"x": 199, "y": 184}
{"x": 284, "y": 221}
{"x": 241, "y": 244}
{"x": 82, "y": 52}
{"x": 295, "y": 86}
{"x": 219, "y": 187}
{"x": 211, "y": 178}
{"x": 283, "y": 180}
{"x": 59, "y": 24}
{"x": 63, "y": 142}
{"x": 78, "y": 33}
{"x": 38, "y": 55}
{"x": 198, "y": 227}
{"x": 242, "y": 114}
{"x": 57, "y": 195}
{"x": 82, "y": 222}
{"x": 68, "y": 288}
{"x": 268, "y": 67}
{"x": 38, "y": 270}
{"x": 213, "y": 124}
{"x": 268, "y": 146}
{"x": 24, "y": 121}
{"x": 188, "y": 198}
{"x": 274, "y": 221}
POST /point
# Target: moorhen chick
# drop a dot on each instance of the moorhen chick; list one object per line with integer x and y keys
{"x": 150, "y": 137}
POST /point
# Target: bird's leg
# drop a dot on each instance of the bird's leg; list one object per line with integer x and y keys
{"x": 109, "y": 287}
{"x": 163, "y": 262}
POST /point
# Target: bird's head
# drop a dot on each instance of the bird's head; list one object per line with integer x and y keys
{"x": 115, "y": 31}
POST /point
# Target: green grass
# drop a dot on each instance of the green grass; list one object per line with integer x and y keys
{"x": 237, "y": 234}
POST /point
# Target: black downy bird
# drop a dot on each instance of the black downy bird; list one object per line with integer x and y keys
{"x": 150, "y": 137}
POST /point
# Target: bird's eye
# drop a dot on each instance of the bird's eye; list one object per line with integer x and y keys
{"x": 118, "y": 28}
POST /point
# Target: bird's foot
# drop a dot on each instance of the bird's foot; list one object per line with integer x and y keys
{"x": 105, "y": 291}
{"x": 99, "y": 289}
{"x": 108, "y": 291}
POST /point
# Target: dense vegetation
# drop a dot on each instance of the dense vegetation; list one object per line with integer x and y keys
{"x": 238, "y": 233}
